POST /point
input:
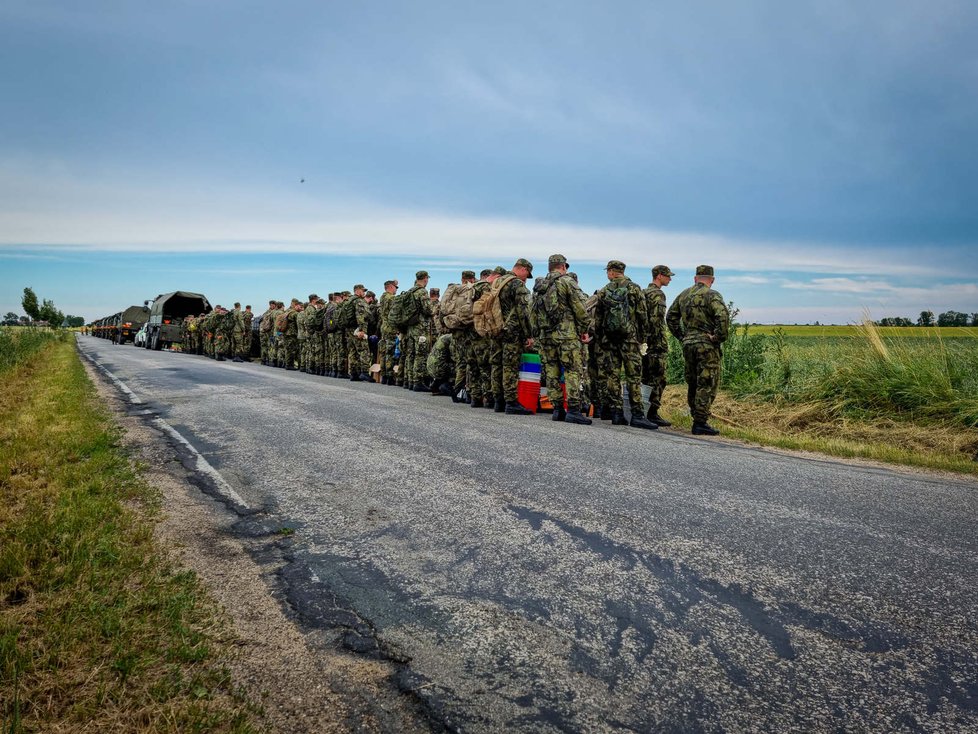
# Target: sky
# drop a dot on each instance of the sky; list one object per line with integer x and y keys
{"x": 822, "y": 156}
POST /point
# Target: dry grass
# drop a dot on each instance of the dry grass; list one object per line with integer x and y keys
{"x": 97, "y": 631}
{"x": 811, "y": 427}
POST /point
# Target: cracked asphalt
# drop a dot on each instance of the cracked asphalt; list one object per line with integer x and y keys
{"x": 534, "y": 576}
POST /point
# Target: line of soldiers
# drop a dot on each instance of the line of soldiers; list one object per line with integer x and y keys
{"x": 220, "y": 334}
{"x": 589, "y": 346}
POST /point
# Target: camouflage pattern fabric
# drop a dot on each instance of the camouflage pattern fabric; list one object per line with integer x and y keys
{"x": 388, "y": 337}
{"x": 439, "y": 363}
{"x": 561, "y": 341}
{"x": 620, "y": 356}
{"x": 359, "y": 348}
{"x": 702, "y": 379}
{"x": 245, "y": 348}
{"x": 265, "y": 333}
{"x": 416, "y": 342}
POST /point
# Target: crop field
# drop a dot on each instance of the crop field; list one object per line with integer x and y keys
{"x": 854, "y": 331}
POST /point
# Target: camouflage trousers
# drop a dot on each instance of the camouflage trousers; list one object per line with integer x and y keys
{"x": 290, "y": 350}
{"x": 478, "y": 367}
{"x": 385, "y": 353}
{"x": 599, "y": 387}
{"x": 244, "y": 346}
{"x": 315, "y": 347}
{"x": 654, "y": 375}
{"x": 563, "y": 357}
{"x": 302, "y": 355}
{"x": 359, "y": 354}
{"x": 222, "y": 345}
{"x": 415, "y": 350}
{"x": 266, "y": 346}
{"x": 441, "y": 366}
{"x": 702, "y": 378}
{"x": 504, "y": 366}
{"x": 236, "y": 339}
{"x": 461, "y": 346}
{"x": 613, "y": 359}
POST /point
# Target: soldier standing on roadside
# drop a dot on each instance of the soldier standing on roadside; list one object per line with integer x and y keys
{"x": 700, "y": 320}
{"x": 357, "y": 336}
{"x": 266, "y": 329}
{"x": 290, "y": 335}
{"x": 514, "y": 300}
{"x": 561, "y": 323}
{"x": 621, "y": 319}
{"x": 415, "y": 345}
{"x": 657, "y": 339}
{"x": 478, "y": 352}
{"x": 247, "y": 317}
{"x": 237, "y": 333}
{"x": 388, "y": 335}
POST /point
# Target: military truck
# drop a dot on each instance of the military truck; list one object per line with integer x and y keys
{"x": 129, "y": 322}
{"x": 166, "y": 315}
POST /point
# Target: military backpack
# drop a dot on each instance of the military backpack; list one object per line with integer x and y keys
{"x": 546, "y": 302}
{"x": 346, "y": 315}
{"x": 487, "y": 312}
{"x": 282, "y": 321}
{"x": 616, "y": 321}
{"x": 404, "y": 310}
{"x": 456, "y": 306}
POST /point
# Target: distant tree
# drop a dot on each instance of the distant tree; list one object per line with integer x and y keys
{"x": 894, "y": 321}
{"x": 73, "y": 322}
{"x": 974, "y": 319}
{"x": 952, "y": 318}
{"x": 52, "y": 315}
{"x": 31, "y": 307}
{"x": 926, "y": 318}
{"x": 11, "y": 319}
{"x": 25, "y": 320}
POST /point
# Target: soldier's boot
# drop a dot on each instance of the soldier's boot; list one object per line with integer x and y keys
{"x": 237, "y": 359}
{"x": 575, "y": 416}
{"x": 500, "y": 405}
{"x": 420, "y": 387}
{"x": 640, "y": 421}
{"x": 606, "y": 413}
{"x": 384, "y": 380}
{"x": 704, "y": 429}
{"x": 456, "y": 391}
{"x": 476, "y": 403}
{"x": 220, "y": 358}
{"x": 514, "y": 408}
{"x": 618, "y": 418}
{"x": 436, "y": 388}
{"x": 365, "y": 377}
{"x": 654, "y": 416}
{"x": 559, "y": 413}
{"x": 355, "y": 377}
{"x": 344, "y": 375}
{"x": 447, "y": 391}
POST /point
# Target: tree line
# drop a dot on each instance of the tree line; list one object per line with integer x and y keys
{"x": 927, "y": 318}
{"x": 41, "y": 312}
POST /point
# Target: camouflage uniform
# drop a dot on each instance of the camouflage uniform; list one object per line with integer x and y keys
{"x": 388, "y": 339}
{"x": 507, "y": 349}
{"x": 314, "y": 336}
{"x": 560, "y": 339}
{"x": 246, "y": 320}
{"x": 224, "y": 334}
{"x": 236, "y": 324}
{"x": 700, "y": 320}
{"x": 478, "y": 356}
{"x": 439, "y": 364}
{"x": 654, "y": 364}
{"x": 290, "y": 337}
{"x": 359, "y": 347}
{"x": 415, "y": 343}
{"x": 266, "y": 330}
{"x": 617, "y": 353}
{"x": 302, "y": 338}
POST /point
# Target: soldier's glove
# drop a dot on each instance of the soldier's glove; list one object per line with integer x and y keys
{"x": 422, "y": 339}
{"x": 643, "y": 349}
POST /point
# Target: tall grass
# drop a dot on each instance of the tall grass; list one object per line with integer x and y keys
{"x": 20, "y": 343}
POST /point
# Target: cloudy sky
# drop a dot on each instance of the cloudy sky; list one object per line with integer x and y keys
{"x": 823, "y": 156}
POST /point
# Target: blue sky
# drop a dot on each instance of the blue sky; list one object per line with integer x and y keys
{"x": 821, "y": 155}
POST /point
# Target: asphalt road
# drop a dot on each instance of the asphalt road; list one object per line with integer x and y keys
{"x": 536, "y": 576}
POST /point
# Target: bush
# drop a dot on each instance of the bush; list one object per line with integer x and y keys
{"x": 18, "y": 343}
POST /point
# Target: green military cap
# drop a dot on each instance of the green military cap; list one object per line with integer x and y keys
{"x": 389, "y": 282}
{"x": 662, "y": 270}
{"x": 421, "y": 275}
{"x": 524, "y": 263}
{"x": 370, "y": 294}
{"x": 359, "y": 287}
{"x": 468, "y": 274}
{"x": 434, "y": 291}
{"x": 347, "y": 294}
{"x": 312, "y": 297}
{"x": 485, "y": 273}
{"x": 704, "y": 270}
{"x": 615, "y": 265}
{"x": 296, "y": 300}
{"x": 557, "y": 259}
{"x": 499, "y": 270}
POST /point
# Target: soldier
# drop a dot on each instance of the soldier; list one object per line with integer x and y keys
{"x": 388, "y": 335}
{"x": 357, "y": 336}
{"x": 414, "y": 343}
{"x": 266, "y": 331}
{"x": 654, "y": 362}
{"x": 302, "y": 337}
{"x": 247, "y": 317}
{"x": 477, "y": 366}
{"x": 343, "y": 342}
{"x": 507, "y": 348}
{"x": 440, "y": 366}
{"x": 462, "y": 341}
{"x": 314, "y": 334}
{"x": 223, "y": 333}
{"x": 561, "y": 323}
{"x": 622, "y": 318}
{"x": 700, "y": 320}
{"x": 373, "y": 327}
{"x": 237, "y": 333}
{"x": 436, "y": 329}
{"x": 290, "y": 336}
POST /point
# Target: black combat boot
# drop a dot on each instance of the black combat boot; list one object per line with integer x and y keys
{"x": 606, "y": 413}
{"x": 290, "y": 368}
{"x": 237, "y": 359}
{"x": 618, "y": 418}
{"x": 559, "y": 413}
{"x": 344, "y": 375}
{"x": 384, "y": 380}
{"x": 654, "y": 416}
{"x": 365, "y": 377}
{"x": 456, "y": 392}
{"x": 436, "y": 389}
{"x": 220, "y": 358}
{"x": 640, "y": 421}
{"x": 476, "y": 403}
{"x": 355, "y": 377}
{"x": 514, "y": 408}
{"x": 420, "y": 387}
{"x": 447, "y": 391}
{"x": 500, "y": 405}
{"x": 576, "y": 416}
{"x": 704, "y": 429}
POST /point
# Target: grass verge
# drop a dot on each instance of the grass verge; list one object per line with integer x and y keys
{"x": 98, "y": 632}
{"x": 815, "y": 427}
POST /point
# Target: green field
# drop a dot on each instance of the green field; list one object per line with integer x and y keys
{"x": 932, "y": 332}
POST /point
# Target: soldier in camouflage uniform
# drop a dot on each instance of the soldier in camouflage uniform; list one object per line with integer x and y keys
{"x": 266, "y": 330}
{"x": 290, "y": 337}
{"x": 477, "y": 366}
{"x": 700, "y": 320}
{"x": 357, "y": 336}
{"x": 561, "y": 324}
{"x": 441, "y": 367}
{"x": 507, "y": 349}
{"x": 436, "y": 329}
{"x": 415, "y": 343}
{"x": 247, "y": 317}
{"x": 343, "y": 343}
{"x": 278, "y": 346}
{"x": 237, "y": 332}
{"x": 657, "y": 339}
{"x": 314, "y": 334}
{"x": 223, "y": 333}
{"x": 388, "y": 335}
{"x": 210, "y": 332}
{"x": 302, "y": 337}
{"x": 461, "y": 347}
{"x": 373, "y": 327}
{"x": 621, "y": 318}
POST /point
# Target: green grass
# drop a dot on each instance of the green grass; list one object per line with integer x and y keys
{"x": 18, "y": 343}
{"x": 98, "y": 632}
{"x": 853, "y": 331}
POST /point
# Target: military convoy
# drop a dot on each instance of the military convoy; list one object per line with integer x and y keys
{"x": 163, "y": 320}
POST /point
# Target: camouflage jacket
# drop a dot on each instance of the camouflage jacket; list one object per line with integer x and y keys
{"x": 423, "y": 307}
{"x": 657, "y": 337}
{"x": 386, "y": 299}
{"x": 699, "y": 316}
{"x": 569, "y": 302}
{"x": 291, "y": 323}
{"x": 246, "y": 318}
{"x": 360, "y": 309}
{"x": 314, "y": 320}
{"x": 237, "y": 321}
{"x": 225, "y": 323}
{"x": 300, "y": 324}
{"x": 514, "y": 300}
{"x": 638, "y": 311}
{"x": 373, "y": 319}
{"x": 267, "y": 323}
